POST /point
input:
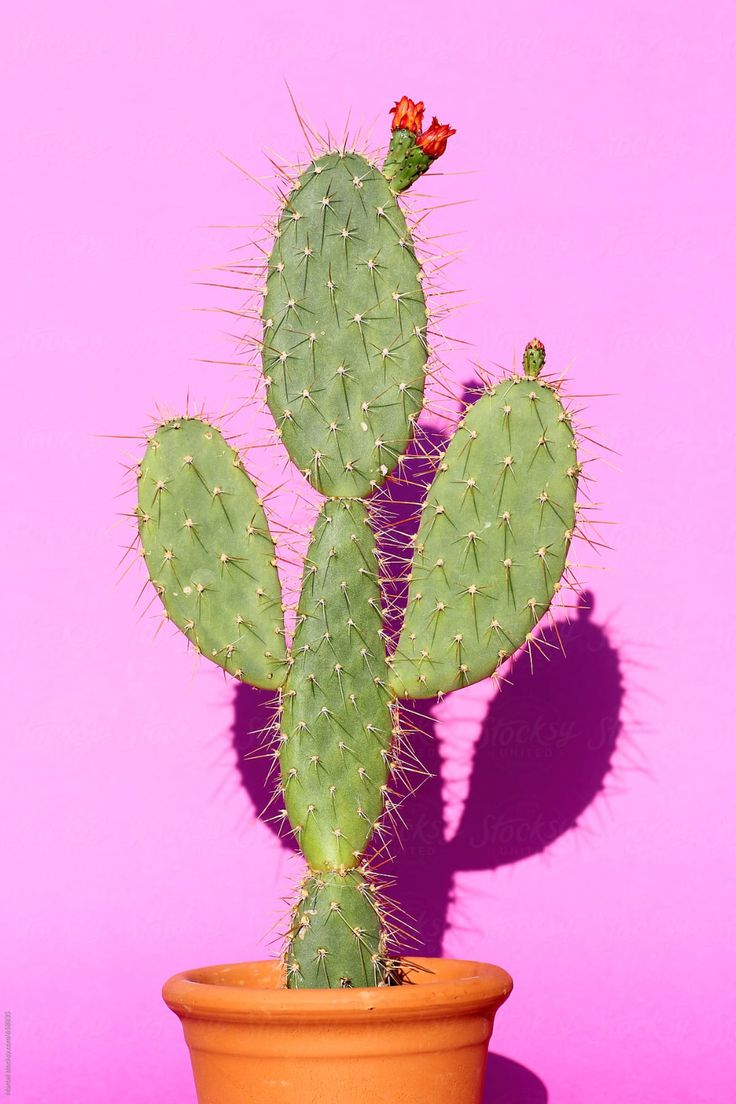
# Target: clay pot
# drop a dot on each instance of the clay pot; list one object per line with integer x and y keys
{"x": 254, "y": 1042}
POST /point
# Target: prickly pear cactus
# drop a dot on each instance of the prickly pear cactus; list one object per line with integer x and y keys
{"x": 344, "y": 352}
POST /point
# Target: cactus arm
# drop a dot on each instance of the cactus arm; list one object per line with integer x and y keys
{"x": 493, "y": 538}
{"x": 209, "y": 552}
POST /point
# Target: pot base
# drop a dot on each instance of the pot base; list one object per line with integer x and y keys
{"x": 254, "y": 1042}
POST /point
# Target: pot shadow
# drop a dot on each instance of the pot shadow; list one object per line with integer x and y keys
{"x": 508, "y": 1082}
{"x": 541, "y": 759}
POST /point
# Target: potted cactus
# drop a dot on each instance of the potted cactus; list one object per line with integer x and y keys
{"x": 344, "y": 1014}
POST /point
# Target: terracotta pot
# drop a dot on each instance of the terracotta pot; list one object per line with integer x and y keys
{"x": 254, "y": 1042}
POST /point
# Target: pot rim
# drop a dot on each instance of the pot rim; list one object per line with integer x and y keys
{"x": 442, "y": 986}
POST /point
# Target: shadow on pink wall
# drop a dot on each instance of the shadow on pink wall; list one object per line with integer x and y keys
{"x": 508, "y": 1082}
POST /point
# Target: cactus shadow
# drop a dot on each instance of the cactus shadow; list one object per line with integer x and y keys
{"x": 545, "y": 747}
{"x": 541, "y": 758}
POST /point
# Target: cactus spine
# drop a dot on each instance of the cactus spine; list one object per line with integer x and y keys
{"x": 344, "y": 354}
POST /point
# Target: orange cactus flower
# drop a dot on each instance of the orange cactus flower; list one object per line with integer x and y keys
{"x": 434, "y": 140}
{"x": 407, "y": 115}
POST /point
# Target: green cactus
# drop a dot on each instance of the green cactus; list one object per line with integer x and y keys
{"x": 344, "y": 341}
{"x": 344, "y": 353}
{"x": 209, "y": 551}
{"x": 336, "y": 719}
{"x": 340, "y": 932}
{"x": 493, "y": 539}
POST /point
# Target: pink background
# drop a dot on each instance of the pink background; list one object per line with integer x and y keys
{"x": 600, "y": 138}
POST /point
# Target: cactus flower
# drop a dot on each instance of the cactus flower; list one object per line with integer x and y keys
{"x": 410, "y": 152}
{"x": 407, "y": 115}
{"x": 434, "y": 140}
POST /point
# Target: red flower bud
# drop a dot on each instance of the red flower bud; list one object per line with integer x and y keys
{"x": 434, "y": 140}
{"x": 407, "y": 115}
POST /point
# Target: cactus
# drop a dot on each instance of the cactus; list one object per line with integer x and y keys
{"x": 344, "y": 354}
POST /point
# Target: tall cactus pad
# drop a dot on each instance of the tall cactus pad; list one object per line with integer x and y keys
{"x": 336, "y": 722}
{"x": 344, "y": 326}
{"x": 209, "y": 552}
{"x": 492, "y": 542}
{"x": 336, "y": 938}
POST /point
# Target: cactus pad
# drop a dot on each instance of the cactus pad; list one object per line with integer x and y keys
{"x": 209, "y": 551}
{"x": 336, "y": 938}
{"x": 336, "y": 720}
{"x": 492, "y": 542}
{"x": 344, "y": 326}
